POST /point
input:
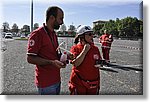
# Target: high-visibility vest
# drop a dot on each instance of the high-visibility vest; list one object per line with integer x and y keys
{"x": 106, "y": 40}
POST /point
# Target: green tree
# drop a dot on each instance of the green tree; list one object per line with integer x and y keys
{"x": 5, "y": 27}
{"x": 14, "y": 28}
{"x": 36, "y": 25}
{"x": 140, "y": 35}
{"x": 25, "y": 30}
{"x": 97, "y": 29}
{"x": 129, "y": 27}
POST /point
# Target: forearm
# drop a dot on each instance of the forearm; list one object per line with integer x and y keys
{"x": 38, "y": 60}
{"x": 79, "y": 59}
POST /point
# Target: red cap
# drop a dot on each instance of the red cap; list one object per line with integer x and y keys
{"x": 65, "y": 52}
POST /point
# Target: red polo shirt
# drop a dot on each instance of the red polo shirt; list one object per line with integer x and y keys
{"x": 86, "y": 69}
{"x": 40, "y": 44}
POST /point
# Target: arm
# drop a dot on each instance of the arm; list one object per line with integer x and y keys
{"x": 79, "y": 59}
{"x": 100, "y": 39}
{"x": 41, "y": 61}
{"x": 110, "y": 38}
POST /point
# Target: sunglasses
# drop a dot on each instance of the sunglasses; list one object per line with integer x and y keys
{"x": 89, "y": 34}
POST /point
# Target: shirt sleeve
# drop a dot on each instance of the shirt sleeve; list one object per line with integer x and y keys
{"x": 34, "y": 44}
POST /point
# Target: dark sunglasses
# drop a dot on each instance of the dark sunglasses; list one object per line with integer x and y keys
{"x": 89, "y": 34}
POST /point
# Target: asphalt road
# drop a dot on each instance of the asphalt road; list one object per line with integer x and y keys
{"x": 127, "y": 79}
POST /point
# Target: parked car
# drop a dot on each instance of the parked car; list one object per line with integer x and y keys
{"x": 8, "y": 35}
{"x": 22, "y": 36}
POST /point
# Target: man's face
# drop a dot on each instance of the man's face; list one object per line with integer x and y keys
{"x": 56, "y": 25}
{"x": 58, "y": 20}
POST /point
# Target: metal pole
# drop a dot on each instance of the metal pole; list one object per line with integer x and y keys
{"x": 31, "y": 15}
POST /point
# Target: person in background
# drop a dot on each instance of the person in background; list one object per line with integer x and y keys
{"x": 85, "y": 77}
{"x": 41, "y": 51}
{"x": 106, "y": 41}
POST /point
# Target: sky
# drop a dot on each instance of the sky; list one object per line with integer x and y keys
{"x": 76, "y": 12}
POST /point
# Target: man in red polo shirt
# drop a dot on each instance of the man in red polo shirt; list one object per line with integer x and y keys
{"x": 41, "y": 52}
{"x": 106, "y": 41}
{"x": 85, "y": 76}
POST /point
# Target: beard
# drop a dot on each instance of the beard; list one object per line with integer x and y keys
{"x": 56, "y": 25}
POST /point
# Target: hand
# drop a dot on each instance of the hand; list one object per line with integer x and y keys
{"x": 86, "y": 47}
{"x": 59, "y": 64}
{"x": 110, "y": 39}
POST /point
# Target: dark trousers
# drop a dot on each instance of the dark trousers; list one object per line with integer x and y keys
{"x": 105, "y": 52}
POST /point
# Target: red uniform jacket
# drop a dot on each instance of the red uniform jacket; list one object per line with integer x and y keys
{"x": 106, "y": 40}
{"x": 86, "y": 70}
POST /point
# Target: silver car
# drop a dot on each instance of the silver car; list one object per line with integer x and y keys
{"x": 8, "y": 35}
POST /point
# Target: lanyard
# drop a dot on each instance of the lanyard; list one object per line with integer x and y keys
{"x": 52, "y": 40}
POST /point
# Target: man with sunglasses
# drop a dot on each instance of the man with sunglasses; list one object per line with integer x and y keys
{"x": 85, "y": 77}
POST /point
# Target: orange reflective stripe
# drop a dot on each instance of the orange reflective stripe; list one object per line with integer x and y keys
{"x": 106, "y": 41}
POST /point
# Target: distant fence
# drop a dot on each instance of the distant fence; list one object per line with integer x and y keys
{"x": 68, "y": 42}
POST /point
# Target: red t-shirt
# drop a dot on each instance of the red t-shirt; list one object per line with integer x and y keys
{"x": 41, "y": 45}
{"x": 86, "y": 70}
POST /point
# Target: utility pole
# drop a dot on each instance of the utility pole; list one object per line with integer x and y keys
{"x": 31, "y": 15}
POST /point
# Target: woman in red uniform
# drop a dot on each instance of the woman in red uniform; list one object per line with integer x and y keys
{"x": 85, "y": 76}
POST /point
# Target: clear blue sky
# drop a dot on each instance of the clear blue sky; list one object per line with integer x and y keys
{"x": 76, "y": 11}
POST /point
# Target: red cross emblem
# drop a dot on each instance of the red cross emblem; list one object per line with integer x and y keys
{"x": 31, "y": 42}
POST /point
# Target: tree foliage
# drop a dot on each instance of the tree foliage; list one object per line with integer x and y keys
{"x": 63, "y": 28}
{"x": 71, "y": 28}
{"x": 25, "y": 30}
{"x": 15, "y": 28}
{"x": 5, "y": 27}
{"x": 128, "y": 27}
{"x": 36, "y": 25}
